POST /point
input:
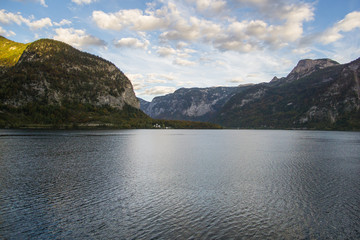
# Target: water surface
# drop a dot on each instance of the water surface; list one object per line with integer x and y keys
{"x": 179, "y": 184}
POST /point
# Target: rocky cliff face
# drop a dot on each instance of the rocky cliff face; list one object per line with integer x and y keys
{"x": 197, "y": 104}
{"x": 304, "y": 68}
{"x": 52, "y": 72}
{"x": 317, "y": 94}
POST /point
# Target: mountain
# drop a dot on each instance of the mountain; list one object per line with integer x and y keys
{"x": 48, "y": 83}
{"x": 195, "y": 104}
{"x": 143, "y": 104}
{"x": 317, "y": 94}
{"x": 304, "y": 68}
{"x": 53, "y": 72}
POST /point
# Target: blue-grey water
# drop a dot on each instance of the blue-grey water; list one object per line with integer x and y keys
{"x": 179, "y": 184}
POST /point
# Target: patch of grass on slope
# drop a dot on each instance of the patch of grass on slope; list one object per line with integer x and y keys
{"x": 10, "y": 52}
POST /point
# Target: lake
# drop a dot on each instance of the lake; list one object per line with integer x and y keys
{"x": 179, "y": 184}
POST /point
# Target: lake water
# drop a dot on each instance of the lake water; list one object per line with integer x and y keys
{"x": 179, "y": 184}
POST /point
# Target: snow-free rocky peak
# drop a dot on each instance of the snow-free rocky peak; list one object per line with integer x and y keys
{"x": 307, "y": 66}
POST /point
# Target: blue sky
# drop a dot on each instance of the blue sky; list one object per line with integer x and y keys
{"x": 165, "y": 45}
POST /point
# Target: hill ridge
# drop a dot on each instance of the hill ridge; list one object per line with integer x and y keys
{"x": 325, "y": 98}
{"x": 316, "y": 94}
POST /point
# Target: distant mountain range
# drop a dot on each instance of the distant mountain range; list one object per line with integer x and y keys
{"x": 48, "y": 83}
{"x": 317, "y": 94}
{"x": 196, "y": 104}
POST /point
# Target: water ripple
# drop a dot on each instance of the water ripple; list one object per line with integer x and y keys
{"x": 179, "y": 184}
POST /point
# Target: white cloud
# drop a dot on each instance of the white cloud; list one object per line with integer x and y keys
{"x": 174, "y": 24}
{"x": 134, "y": 19}
{"x": 183, "y": 62}
{"x": 9, "y": 17}
{"x": 62, "y": 23}
{"x": 138, "y": 85}
{"x": 178, "y": 54}
{"x": 137, "y": 80}
{"x": 77, "y": 38}
{"x": 159, "y": 90}
{"x": 251, "y": 35}
{"x": 192, "y": 29}
{"x": 247, "y": 35}
{"x": 155, "y": 80}
{"x": 42, "y": 2}
{"x": 159, "y": 78}
{"x": 150, "y": 78}
{"x": 209, "y": 5}
{"x": 349, "y": 23}
{"x": 144, "y": 83}
{"x": 181, "y": 45}
{"x": 166, "y": 51}
{"x": 281, "y": 9}
{"x": 254, "y": 34}
{"x": 134, "y": 76}
{"x": 301, "y": 50}
{"x": 236, "y": 45}
{"x": 107, "y": 21}
{"x": 282, "y": 25}
{"x": 252, "y": 75}
{"x": 189, "y": 50}
{"x": 236, "y": 80}
{"x": 169, "y": 77}
{"x": 44, "y": 22}
{"x": 81, "y": 2}
{"x": 132, "y": 43}
{"x": 6, "y": 33}
{"x": 187, "y": 84}
{"x": 186, "y": 33}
